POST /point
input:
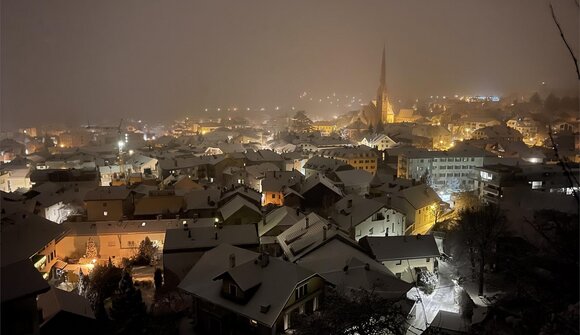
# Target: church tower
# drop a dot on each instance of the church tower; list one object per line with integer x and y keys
{"x": 384, "y": 107}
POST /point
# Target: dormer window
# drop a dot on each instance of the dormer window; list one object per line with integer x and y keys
{"x": 301, "y": 291}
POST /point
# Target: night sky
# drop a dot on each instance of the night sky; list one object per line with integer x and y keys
{"x": 93, "y": 60}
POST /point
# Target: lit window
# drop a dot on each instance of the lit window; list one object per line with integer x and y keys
{"x": 143, "y": 224}
{"x": 105, "y": 213}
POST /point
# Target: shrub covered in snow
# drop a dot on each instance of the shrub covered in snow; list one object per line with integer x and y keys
{"x": 427, "y": 281}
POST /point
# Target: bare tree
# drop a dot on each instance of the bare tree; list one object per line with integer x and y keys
{"x": 574, "y": 59}
{"x": 480, "y": 229}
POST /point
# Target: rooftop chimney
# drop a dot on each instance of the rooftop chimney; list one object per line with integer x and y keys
{"x": 188, "y": 233}
{"x": 349, "y": 203}
{"x": 307, "y": 222}
{"x": 216, "y": 236}
{"x": 324, "y": 229}
{"x": 232, "y": 260}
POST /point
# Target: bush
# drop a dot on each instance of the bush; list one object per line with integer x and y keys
{"x": 427, "y": 281}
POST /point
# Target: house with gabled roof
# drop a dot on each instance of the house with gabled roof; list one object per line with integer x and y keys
{"x": 368, "y": 217}
{"x": 109, "y": 203}
{"x": 65, "y": 310}
{"x": 183, "y": 247}
{"x": 240, "y": 211}
{"x": 320, "y": 192}
{"x": 242, "y": 292}
{"x": 273, "y": 224}
{"x": 202, "y": 203}
{"x": 275, "y": 184}
{"x": 404, "y": 256}
{"x": 319, "y": 164}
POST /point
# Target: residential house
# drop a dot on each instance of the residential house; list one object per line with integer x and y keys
{"x": 378, "y": 141}
{"x": 109, "y": 203}
{"x": 404, "y": 256}
{"x": 275, "y": 184}
{"x": 62, "y": 311}
{"x": 237, "y": 291}
{"x": 159, "y": 204}
{"x": 273, "y": 224}
{"x": 354, "y": 181}
{"x": 320, "y": 192}
{"x": 184, "y": 246}
{"x": 319, "y": 164}
{"x": 368, "y": 217}
{"x": 240, "y": 211}
{"x": 26, "y": 236}
{"x": 420, "y": 205}
{"x": 361, "y": 157}
{"x": 202, "y": 203}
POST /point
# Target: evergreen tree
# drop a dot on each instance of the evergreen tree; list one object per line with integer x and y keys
{"x": 84, "y": 283}
{"x": 146, "y": 252}
{"x": 127, "y": 306}
{"x": 536, "y": 99}
{"x": 158, "y": 279}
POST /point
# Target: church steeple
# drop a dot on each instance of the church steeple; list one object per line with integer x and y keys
{"x": 383, "y": 80}
{"x": 384, "y": 108}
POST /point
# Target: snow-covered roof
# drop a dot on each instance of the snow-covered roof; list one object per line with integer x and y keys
{"x": 354, "y": 209}
{"x": 108, "y": 193}
{"x": 153, "y": 205}
{"x": 275, "y": 181}
{"x": 25, "y": 234}
{"x": 316, "y": 179}
{"x": 21, "y": 279}
{"x": 385, "y": 248}
{"x": 277, "y": 280}
{"x": 354, "y": 177}
{"x": 208, "y": 237}
{"x": 308, "y": 234}
{"x": 278, "y": 220}
{"x": 202, "y": 199}
{"x": 234, "y": 205}
{"x": 56, "y": 300}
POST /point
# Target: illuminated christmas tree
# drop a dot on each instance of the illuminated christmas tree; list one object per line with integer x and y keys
{"x": 91, "y": 251}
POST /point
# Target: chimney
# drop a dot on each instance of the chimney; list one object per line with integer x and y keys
{"x": 367, "y": 266}
{"x": 232, "y": 260}
{"x": 264, "y": 259}
{"x": 307, "y": 221}
{"x": 324, "y": 229}
{"x": 349, "y": 203}
{"x": 188, "y": 233}
{"x": 216, "y": 236}
{"x": 345, "y": 269}
{"x": 208, "y": 199}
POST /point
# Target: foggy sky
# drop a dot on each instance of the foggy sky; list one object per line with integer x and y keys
{"x": 83, "y": 60}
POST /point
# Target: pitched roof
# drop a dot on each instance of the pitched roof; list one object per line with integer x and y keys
{"x": 25, "y": 234}
{"x": 108, "y": 193}
{"x": 202, "y": 199}
{"x": 153, "y": 205}
{"x": 307, "y": 235}
{"x": 317, "y": 179}
{"x": 277, "y": 282}
{"x": 354, "y": 209}
{"x": 57, "y": 300}
{"x": 386, "y": 248}
{"x": 235, "y": 205}
{"x": 281, "y": 218}
{"x": 208, "y": 237}
{"x": 21, "y": 279}
{"x": 418, "y": 196}
{"x": 354, "y": 177}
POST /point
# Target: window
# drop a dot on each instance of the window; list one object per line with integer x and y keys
{"x": 371, "y": 231}
{"x": 400, "y": 262}
{"x": 428, "y": 259}
{"x": 105, "y": 213}
{"x": 111, "y": 243}
{"x": 301, "y": 291}
{"x": 104, "y": 204}
{"x": 273, "y": 196}
{"x": 472, "y": 159}
{"x": 233, "y": 290}
{"x": 444, "y": 159}
{"x": 131, "y": 244}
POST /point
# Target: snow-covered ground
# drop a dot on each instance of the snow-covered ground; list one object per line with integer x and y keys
{"x": 444, "y": 297}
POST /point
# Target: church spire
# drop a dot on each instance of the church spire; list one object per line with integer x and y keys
{"x": 383, "y": 84}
